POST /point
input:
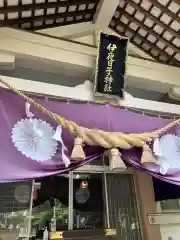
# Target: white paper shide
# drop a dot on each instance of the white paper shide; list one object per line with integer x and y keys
{"x": 167, "y": 151}
{"x": 34, "y": 139}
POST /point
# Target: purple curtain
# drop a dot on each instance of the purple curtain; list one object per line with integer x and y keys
{"x": 14, "y": 166}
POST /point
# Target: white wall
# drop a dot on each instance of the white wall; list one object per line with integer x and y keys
{"x": 169, "y": 232}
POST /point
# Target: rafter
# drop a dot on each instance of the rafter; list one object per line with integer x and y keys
{"x": 176, "y": 63}
{"x": 11, "y": 22}
{"x": 105, "y": 12}
{"x": 5, "y": 6}
{"x": 150, "y": 16}
{"x": 153, "y": 27}
{"x": 27, "y": 7}
{"x": 75, "y": 30}
{"x": 148, "y": 29}
{"x": 164, "y": 9}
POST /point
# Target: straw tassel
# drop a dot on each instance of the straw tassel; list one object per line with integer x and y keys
{"x": 116, "y": 161}
{"x": 147, "y": 155}
{"x": 78, "y": 152}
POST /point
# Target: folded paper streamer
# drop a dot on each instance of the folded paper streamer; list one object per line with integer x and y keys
{"x": 58, "y": 137}
{"x": 167, "y": 151}
{"x": 29, "y": 114}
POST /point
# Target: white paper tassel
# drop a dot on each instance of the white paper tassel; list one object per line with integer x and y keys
{"x": 157, "y": 148}
{"x": 58, "y": 137}
{"x": 29, "y": 114}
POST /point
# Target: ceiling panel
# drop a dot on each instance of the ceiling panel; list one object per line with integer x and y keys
{"x": 40, "y": 14}
{"x": 151, "y": 25}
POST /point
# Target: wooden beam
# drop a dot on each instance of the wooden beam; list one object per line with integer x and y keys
{"x": 7, "y": 61}
{"x": 77, "y": 58}
{"x": 174, "y": 93}
{"x": 146, "y": 200}
{"x": 104, "y": 13}
{"x": 81, "y": 31}
{"x": 55, "y": 44}
{"x": 71, "y": 31}
{"x": 84, "y": 93}
{"x": 44, "y": 26}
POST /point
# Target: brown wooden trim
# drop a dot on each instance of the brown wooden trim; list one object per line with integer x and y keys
{"x": 138, "y": 202}
{"x": 147, "y": 204}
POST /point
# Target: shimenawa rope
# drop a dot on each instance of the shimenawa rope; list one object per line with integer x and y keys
{"x": 95, "y": 137}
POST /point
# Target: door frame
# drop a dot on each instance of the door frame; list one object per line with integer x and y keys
{"x": 105, "y": 170}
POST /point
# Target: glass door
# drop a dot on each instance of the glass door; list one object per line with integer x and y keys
{"x": 88, "y": 202}
{"x": 122, "y": 206}
{"x": 113, "y": 197}
{"x": 106, "y": 201}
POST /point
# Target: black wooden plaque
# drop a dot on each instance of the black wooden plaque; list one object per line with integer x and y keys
{"x": 111, "y": 63}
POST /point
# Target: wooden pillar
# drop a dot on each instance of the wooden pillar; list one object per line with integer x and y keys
{"x": 146, "y": 202}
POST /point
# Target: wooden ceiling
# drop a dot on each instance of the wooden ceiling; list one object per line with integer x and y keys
{"x": 41, "y": 14}
{"x": 151, "y": 25}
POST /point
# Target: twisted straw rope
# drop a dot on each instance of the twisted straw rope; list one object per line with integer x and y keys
{"x": 95, "y": 137}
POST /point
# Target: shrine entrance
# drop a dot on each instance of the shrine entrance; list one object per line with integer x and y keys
{"x": 91, "y": 202}
{"x": 102, "y": 205}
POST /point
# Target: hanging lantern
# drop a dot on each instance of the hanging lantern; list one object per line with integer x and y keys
{"x": 82, "y": 194}
{"x": 84, "y": 184}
